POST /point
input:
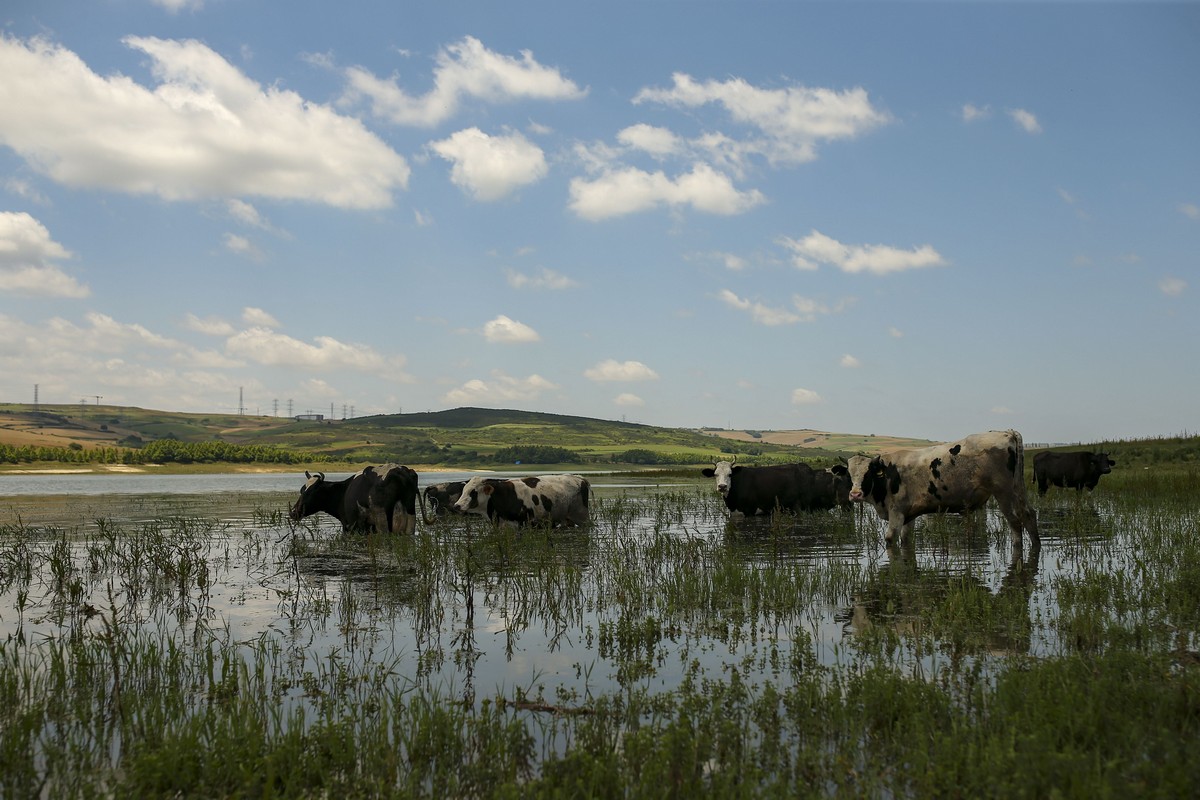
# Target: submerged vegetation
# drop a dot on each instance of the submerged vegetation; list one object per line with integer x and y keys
{"x": 663, "y": 651}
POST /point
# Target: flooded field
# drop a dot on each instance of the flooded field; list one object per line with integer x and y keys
{"x": 187, "y": 639}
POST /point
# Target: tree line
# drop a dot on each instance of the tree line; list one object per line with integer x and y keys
{"x": 160, "y": 451}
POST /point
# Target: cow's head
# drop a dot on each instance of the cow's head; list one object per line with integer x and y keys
{"x": 304, "y": 505}
{"x": 723, "y": 471}
{"x": 1102, "y": 463}
{"x": 841, "y": 484}
{"x": 475, "y": 497}
{"x": 862, "y": 472}
{"x": 441, "y": 497}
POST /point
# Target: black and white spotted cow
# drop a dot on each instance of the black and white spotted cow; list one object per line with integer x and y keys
{"x": 958, "y": 477}
{"x": 552, "y": 499}
{"x": 380, "y": 498}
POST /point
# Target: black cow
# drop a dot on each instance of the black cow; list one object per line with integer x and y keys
{"x": 441, "y": 497}
{"x": 831, "y": 490}
{"x": 367, "y": 501}
{"x": 1077, "y": 470}
{"x": 761, "y": 490}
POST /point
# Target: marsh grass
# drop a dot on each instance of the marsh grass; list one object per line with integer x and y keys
{"x": 664, "y": 651}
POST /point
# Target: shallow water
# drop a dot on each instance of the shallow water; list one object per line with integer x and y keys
{"x": 661, "y": 588}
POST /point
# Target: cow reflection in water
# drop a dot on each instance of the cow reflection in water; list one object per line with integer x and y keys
{"x": 1074, "y": 523}
{"x": 955, "y": 608}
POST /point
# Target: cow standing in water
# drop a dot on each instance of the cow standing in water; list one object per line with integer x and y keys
{"x": 959, "y": 477}
{"x": 1078, "y": 471}
{"x": 553, "y": 499}
{"x": 369, "y": 501}
{"x": 441, "y": 497}
{"x": 783, "y": 487}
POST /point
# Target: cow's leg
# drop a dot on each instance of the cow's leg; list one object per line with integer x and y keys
{"x": 1031, "y": 524}
{"x": 1020, "y": 517}
{"x": 896, "y": 526}
{"x": 408, "y": 522}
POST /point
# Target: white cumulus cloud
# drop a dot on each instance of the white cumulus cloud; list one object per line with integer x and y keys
{"x": 27, "y": 259}
{"x": 501, "y": 388}
{"x": 849, "y": 361}
{"x": 803, "y": 309}
{"x": 817, "y": 248}
{"x": 627, "y": 400}
{"x": 762, "y": 314}
{"x": 1025, "y": 120}
{"x": 612, "y": 370}
{"x": 262, "y": 345}
{"x": 210, "y": 326}
{"x": 972, "y": 113}
{"x": 256, "y": 317}
{"x": 491, "y": 167}
{"x": 465, "y": 69}
{"x": 240, "y": 245}
{"x": 789, "y": 120}
{"x": 651, "y": 139}
{"x": 805, "y": 397}
{"x": 630, "y": 190}
{"x": 504, "y": 330}
{"x": 205, "y": 130}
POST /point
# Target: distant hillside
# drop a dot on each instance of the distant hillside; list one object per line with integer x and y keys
{"x": 807, "y": 438}
{"x": 460, "y": 436}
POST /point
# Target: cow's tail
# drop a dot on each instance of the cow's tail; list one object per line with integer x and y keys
{"x": 1019, "y": 443}
{"x": 1028, "y": 515}
{"x": 424, "y": 517}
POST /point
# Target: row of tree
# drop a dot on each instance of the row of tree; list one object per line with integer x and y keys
{"x": 160, "y": 451}
{"x": 173, "y": 451}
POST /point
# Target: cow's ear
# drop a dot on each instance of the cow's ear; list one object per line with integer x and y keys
{"x": 707, "y": 472}
{"x": 877, "y": 465}
{"x": 839, "y": 469}
{"x": 307, "y": 476}
{"x": 1112, "y": 463}
{"x": 487, "y": 488}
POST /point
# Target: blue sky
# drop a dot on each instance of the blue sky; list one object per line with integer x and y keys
{"x": 914, "y": 219}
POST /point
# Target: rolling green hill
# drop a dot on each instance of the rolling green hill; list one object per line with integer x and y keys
{"x": 459, "y": 437}
{"x": 456, "y": 437}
